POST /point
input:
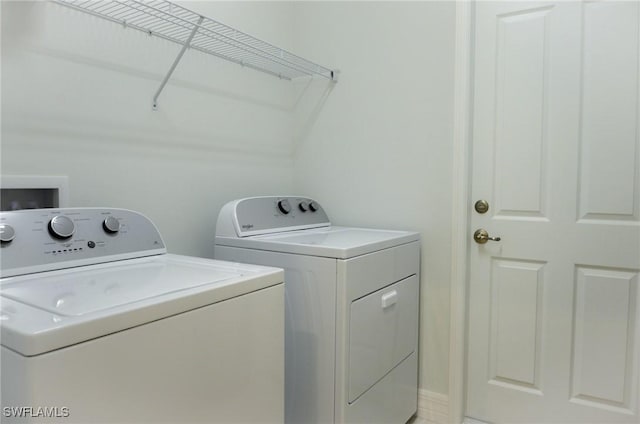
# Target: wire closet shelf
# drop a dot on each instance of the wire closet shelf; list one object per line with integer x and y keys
{"x": 184, "y": 27}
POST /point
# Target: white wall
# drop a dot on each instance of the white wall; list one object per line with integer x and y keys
{"x": 376, "y": 149}
{"x": 76, "y": 101}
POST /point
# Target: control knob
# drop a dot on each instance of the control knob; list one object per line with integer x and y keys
{"x": 303, "y": 206}
{"x": 7, "y": 233}
{"x": 314, "y": 206}
{"x": 111, "y": 225}
{"x": 284, "y": 206}
{"x": 61, "y": 227}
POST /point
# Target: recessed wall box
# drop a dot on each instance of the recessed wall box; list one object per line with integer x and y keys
{"x": 33, "y": 192}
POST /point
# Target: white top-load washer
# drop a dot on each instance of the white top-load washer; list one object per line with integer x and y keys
{"x": 100, "y": 324}
{"x": 351, "y": 320}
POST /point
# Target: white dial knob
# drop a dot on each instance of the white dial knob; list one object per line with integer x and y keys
{"x": 111, "y": 225}
{"x": 61, "y": 227}
{"x": 7, "y": 233}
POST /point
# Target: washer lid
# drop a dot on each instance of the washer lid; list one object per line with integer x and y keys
{"x": 331, "y": 242}
{"x": 46, "y": 311}
{"x": 90, "y": 290}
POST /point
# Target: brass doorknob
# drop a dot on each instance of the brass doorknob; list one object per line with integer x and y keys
{"x": 481, "y": 236}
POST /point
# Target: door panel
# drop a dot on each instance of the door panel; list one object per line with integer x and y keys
{"x": 609, "y": 109}
{"x": 521, "y": 54}
{"x": 604, "y": 336}
{"x": 516, "y": 314}
{"x": 553, "y": 321}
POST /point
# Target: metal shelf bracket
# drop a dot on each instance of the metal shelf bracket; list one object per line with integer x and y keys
{"x": 175, "y": 62}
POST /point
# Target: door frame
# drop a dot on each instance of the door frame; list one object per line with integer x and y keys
{"x": 462, "y": 137}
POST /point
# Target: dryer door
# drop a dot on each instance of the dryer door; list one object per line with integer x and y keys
{"x": 383, "y": 332}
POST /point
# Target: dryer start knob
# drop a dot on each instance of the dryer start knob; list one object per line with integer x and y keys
{"x": 61, "y": 227}
{"x": 284, "y": 206}
{"x": 111, "y": 225}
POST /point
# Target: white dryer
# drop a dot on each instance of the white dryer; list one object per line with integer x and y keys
{"x": 351, "y": 320}
{"x": 100, "y": 324}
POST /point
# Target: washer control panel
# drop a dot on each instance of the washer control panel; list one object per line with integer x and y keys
{"x": 263, "y": 215}
{"x": 38, "y": 240}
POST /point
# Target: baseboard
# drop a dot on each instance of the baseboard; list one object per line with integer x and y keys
{"x": 433, "y": 407}
{"x": 468, "y": 420}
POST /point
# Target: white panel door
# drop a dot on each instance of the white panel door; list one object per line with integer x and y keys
{"x": 554, "y": 328}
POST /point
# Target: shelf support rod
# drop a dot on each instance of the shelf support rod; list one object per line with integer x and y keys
{"x": 175, "y": 62}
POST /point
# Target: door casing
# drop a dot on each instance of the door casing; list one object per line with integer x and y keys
{"x": 462, "y": 118}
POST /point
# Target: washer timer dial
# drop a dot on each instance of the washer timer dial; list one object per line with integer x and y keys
{"x": 61, "y": 227}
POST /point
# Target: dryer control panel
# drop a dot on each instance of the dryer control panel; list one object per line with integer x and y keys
{"x": 270, "y": 214}
{"x": 39, "y": 240}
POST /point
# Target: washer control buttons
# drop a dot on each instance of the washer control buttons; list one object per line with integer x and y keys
{"x": 314, "y": 206}
{"x": 284, "y": 206}
{"x": 7, "y": 233}
{"x": 61, "y": 227}
{"x": 303, "y": 206}
{"x": 111, "y": 225}
{"x": 91, "y": 244}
